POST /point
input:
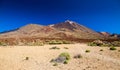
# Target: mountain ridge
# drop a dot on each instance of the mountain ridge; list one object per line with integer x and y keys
{"x": 59, "y": 30}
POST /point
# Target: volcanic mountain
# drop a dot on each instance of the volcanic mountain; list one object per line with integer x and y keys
{"x": 67, "y": 29}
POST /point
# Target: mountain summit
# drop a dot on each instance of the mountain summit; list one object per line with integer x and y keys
{"x": 67, "y": 25}
{"x": 67, "y": 29}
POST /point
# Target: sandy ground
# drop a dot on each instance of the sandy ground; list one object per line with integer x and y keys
{"x": 13, "y": 58}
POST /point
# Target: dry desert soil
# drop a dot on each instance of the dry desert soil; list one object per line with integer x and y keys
{"x": 39, "y": 57}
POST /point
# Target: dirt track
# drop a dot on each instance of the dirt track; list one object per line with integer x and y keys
{"x": 13, "y": 58}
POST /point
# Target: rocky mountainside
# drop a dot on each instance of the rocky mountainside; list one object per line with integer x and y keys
{"x": 106, "y": 34}
{"x": 76, "y": 30}
{"x": 67, "y": 29}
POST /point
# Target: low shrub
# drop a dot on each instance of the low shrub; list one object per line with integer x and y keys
{"x": 113, "y": 48}
{"x": 87, "y": 51}
{"x": 116, "y": 43}
{"x": 26, "y": 58}
{"x": 38, "y": 44}
{"x": 92, "y": 44}
{"x": 118, "y": 50}
{"x": 78, "y": 56}
{"x": 55, "y": 42}
{"x": 58, "y": 42}
{"x": 62, "y": 58}
{"x": 3, "y": 44}
{"x": 66, "y": 48}
{"x": 55, "y": 48}
{"x": 55, "y": 64}
{"x": 66, "y": 55}
{"x": 66, "y": 42}
{"x": 96, "y": 43}
{"x": 104, "y": 43}
{"x": 101, "y": 49}
{"x": 66, "y": 62}
{"x": 34, "y": 44}
{"x": 52, "y": 60}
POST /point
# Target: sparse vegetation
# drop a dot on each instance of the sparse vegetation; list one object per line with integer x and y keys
{"x": 40, "y": 42}
{"x": 95, "y": 43}
{"x": 52, "y": 60}
{"x": 55, "y": 42}
{"x": 118, "y": 50}
{"x": 66, "y": 55}
{"x": 54, "y": 47}
{"x": 116, "y": 43}
{"x": 58, "y": 42}
{"x": 101, "y": 49}
{"x": 92, "y": 44}
{"x": 55, "y": 64}
{"x": 35, "y": 44}
{"x": 104, "y": 43}
{"x": 62, "y": 58}
{"x": 87, "y": 51}
{"x": 113, "y": 48}
{"x": 66, "y": 62}
{"x": 26, "y": 58}
{"x": 78, "y": 56}
{"x": 38, "y": 57}
{"x": 66, "y": 42}
{"x": 66, "y": 48}
{"x": 3, "y": 44}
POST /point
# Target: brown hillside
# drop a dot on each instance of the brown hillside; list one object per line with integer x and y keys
{"x": 62, "y": 30}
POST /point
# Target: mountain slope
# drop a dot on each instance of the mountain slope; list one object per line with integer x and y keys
{"x": 67, "y": 29}
{"x": 76, "y": 30}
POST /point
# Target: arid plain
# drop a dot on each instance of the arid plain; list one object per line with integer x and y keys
{"x": 39, "y": 57}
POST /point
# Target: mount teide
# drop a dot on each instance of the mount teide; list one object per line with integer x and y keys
{"x": 67, "y": 29}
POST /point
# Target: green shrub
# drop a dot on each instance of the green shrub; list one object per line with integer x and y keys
{"x": 113, "y": 48}
{"x": 66, "y": 62}
{"x": 87, "y": 51}
{"x": 66, "y": 55}
{"x": 92, "y": 44}
{"x": 35, "y": 44}
{"x": 62, "y": 58}
{"x": 40, "y": 44}
{"x": 104, "y": 43}
{"x": 3, "y": 44}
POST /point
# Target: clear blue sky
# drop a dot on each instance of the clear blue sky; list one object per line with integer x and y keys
{"x": 99, "y": 15}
